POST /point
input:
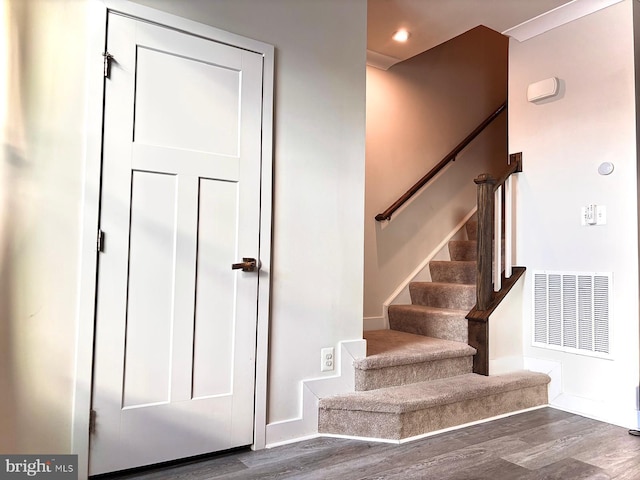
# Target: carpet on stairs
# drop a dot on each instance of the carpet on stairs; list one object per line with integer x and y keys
{"x": 405, "y": 411}
{"x": 399, "y": 358}
{"x": 417, "y": 377}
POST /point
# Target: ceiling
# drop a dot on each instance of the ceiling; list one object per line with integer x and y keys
{"x": 432, "y": 22}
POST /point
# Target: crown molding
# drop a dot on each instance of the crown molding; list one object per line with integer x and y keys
{"x": 558, "y": 16}
{"x": 378, "y": 60}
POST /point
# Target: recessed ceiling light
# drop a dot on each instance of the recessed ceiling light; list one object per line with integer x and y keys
{"x": 401, "y": 35}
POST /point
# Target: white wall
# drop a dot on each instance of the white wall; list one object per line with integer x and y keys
{"x": 318, "y": 201}
{"x": 417, "y": 112}
{"x": 41, "y": 189}
{"x": 505, "y": 333}
{"x": 563, "y": 142}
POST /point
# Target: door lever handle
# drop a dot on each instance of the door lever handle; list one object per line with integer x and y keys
{"x": 247, "y": 265}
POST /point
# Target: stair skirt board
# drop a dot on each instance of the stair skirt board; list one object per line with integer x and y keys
{"x": 375, "y": 323}
{"x": 306, "y": 425}
{"x": 401, "y": 294}
{"x": 434, "y": 432}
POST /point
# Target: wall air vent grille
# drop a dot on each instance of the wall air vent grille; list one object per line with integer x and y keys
{"x": 572, "y": 312}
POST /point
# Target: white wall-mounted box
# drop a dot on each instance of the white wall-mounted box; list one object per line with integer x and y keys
{"x": 543, "y": 89}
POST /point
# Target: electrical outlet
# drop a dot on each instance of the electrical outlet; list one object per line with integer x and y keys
{"x": 327, "y": 359}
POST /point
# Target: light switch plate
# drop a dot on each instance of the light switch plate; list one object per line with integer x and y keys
{"x": 600, "y": 212}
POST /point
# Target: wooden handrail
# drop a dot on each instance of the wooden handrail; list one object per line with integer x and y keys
{"x": 514, "y": 167}
{"x": 451, "y": 156}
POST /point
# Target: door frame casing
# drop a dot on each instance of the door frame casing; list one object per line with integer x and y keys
{"x": 98, "y": 11}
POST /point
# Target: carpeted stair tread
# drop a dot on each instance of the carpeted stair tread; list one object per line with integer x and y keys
{"x": 424, "y": 395}
{"x": 388, "y": 348}
{"x": 443, "y": 295}
{"x": 444, "y": 323}
{"x": 463, "y": 250}
{"x": 454, "y": 271}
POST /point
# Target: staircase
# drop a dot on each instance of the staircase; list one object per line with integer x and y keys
{"x": 417, "y": 377}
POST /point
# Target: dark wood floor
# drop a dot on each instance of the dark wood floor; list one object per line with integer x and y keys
{"x": 542, "y": 444}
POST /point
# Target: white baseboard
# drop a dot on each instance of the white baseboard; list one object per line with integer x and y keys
{"x": 553, "y": 369}
{"x": 306, "y": 426}
{"x": 375, "y": 323}
{"x": 586, "y": 407}
{"x": 506, "y": 365}
{"x": 623, "y": 417}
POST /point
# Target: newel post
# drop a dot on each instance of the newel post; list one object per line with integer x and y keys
{"x": 486, "y": 185}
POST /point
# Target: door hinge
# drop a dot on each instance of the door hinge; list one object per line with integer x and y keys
{"x": 100, "y": 241}
{"x": 92, "y": 421}
{"x": 107, "y": 63}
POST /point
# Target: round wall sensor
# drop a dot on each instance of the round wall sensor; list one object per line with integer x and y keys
{"x": 605, "y": 168}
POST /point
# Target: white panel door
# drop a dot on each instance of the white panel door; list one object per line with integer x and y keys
{"x": 180, "y": 202}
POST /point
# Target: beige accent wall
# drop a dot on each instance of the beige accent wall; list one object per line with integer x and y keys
{"x": 417, "y": 112}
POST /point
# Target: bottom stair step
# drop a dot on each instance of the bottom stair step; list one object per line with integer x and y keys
{"x": 395, "y": 413}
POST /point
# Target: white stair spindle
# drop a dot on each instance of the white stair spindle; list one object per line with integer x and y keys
{"x": 497, "y": 242}
{"x": 508, "y": 228}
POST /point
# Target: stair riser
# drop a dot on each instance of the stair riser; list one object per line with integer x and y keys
{"x": 454, "y": 272}
{"x": 472, "y": 410}
{"x": 463, "y": 250}
{"x": 466, "y": 250}
{"x": 440, "y": 295}
{"x": 454, "y": 328}
{"x": 405, "y": 374}
{"x": 399, "y": 426}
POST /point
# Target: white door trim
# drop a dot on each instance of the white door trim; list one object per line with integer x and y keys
{"x": 97, "y": 24}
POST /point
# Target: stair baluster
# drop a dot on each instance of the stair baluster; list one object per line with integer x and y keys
{"x": 492, "y": 282}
